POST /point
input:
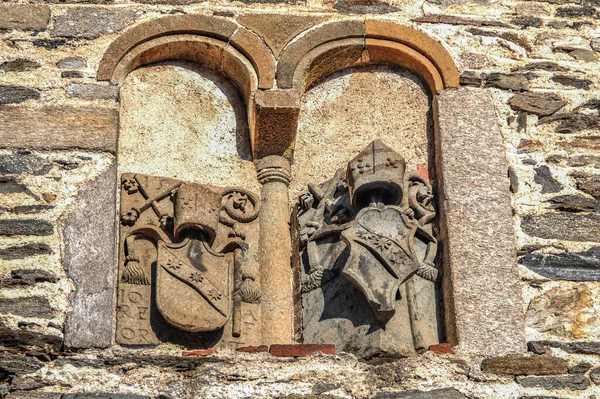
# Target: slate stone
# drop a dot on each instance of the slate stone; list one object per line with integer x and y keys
{"x": 35, "y": 306}
{"x": 10, "y": 185}
{"x": 514, "y": 180}
{"x": 91, "y": 225}
{"x": 588, "y": 183}
{"x": 37, "y": 275}
{"x": 24, "y": 17}
{"x": 62, "y": 361}
{"x": 592, "y": 161}
{"x": 456, "y": 20}
{"x": 467, "y": 119}
{"x": 90, "y": 91}
{"x": 472, "y": 78}
{"x": 536, "y": 348}
{"x": 525, "y": 365}
{"x": 23, "y": 164}
{"x": 563, "y": 226}
{"x": 573, "y": 382}
{"x": 72, "y": 63}
{"x": 543, "y": 66}
{"x": 23, "y": 251}
{"x": 542, "y": 104}
{"x": 574, "y": 203}
{"x": 26, "y": 227}
{"x": 50, "y": 44}
{"x": 567, "y": 80}
{"x": 514, "y": 82}
{"x": 13, "y": 363}
{"x": 544, "y": 177}
{"x": 29, "y": 209}
{"x": 23, "y": 338}
{"x": 580, "y": 348}
{"x": 71, "y": 75}
{"x": 595, "y": 375}
{"x": 527, "y": 21}
{"x": 445, "y": 393}
{"x": 34, "y": 395}
{"x": 581, "y": 143}
{"x": 20, "y": 383}
{"x": 19, "y": 65}
{"x": 572, "y": 122}
{"x": 92, "y": 22}
{"x": 11, "y": 94}
{"x": 364, "y": 7}
{"x": 584, "y": 55}
{"x": 580, "y": 368}
{"x": 595, "y": 44}
{"x": 104, "y": 396}
{"x": 576, "y": 12}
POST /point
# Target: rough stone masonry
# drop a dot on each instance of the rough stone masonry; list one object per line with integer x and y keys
{"x": 66, "y": 134}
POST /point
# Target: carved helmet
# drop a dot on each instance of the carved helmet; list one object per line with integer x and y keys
{"x": 376, "y": 174}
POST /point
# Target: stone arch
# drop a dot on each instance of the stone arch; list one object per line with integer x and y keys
{"x": 216, "y": 43}
{"x": 334, "y": 46}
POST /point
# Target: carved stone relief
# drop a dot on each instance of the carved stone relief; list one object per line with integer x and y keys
{"x": 185, "y": 271}
{"x": 367, "y": 257}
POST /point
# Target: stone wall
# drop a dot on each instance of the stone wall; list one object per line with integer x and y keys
{"x": 59, "y": 127}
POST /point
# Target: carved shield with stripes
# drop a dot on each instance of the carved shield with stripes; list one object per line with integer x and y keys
{"x": 193, "y": 286}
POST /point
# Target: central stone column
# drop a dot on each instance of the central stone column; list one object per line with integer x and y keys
{"x": 274, "y": 254}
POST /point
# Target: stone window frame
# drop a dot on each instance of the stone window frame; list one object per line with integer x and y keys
{"x": 481, "y": 286}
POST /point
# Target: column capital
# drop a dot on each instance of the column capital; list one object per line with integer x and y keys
{"x": 273, "y": 168}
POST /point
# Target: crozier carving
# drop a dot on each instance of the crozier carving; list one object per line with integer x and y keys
{"x": 183, "y": 257}
{"x": 367, "y": 253}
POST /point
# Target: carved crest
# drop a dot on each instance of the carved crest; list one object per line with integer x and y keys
{"x": 199, "y": 250}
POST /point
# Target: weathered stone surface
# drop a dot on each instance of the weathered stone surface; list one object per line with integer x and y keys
{"x": 72, "y": 63}
{"x": 572, "y": 122}
{"x": 572, "y": 382}
{"x": 588, "y": 183}
{"x": 514, "y": 82}
{"x": 563, "y": 226}
{"x": 103, "y": 396}
{"x": 520, "y": 365}
{"x": 59, "y": 128}
{"x": 576, "y": 12}
{"x": 364, "y": 7}
{"x": 20, "y": 383}
{"x": 92, "y": 22}
{"x": 595, "y": 44}
{"x": 574, "y": 203}
{"x": 23, "y": 251}
{"x": 35, "y": 306}
{"x": 28, "y": 209}
{"x": 37, "y": 275}
{"x": 595, "y": 375}
{"x": 584, "y": 55}
{"x": 10, "y": 94}
{"x": 567, "y": 80}
{"x": 14, "y": 363}
{"x": 563, "y": 312}
{"x": 71, "y": 74}
{"x": 455, "y": 20}
{"x": 279, "y": 29}
{"x": 445, "y": 393}
{"x": 486, "y": 267}
{"x": 542, "y": 66}
{"x": 574, "y": 160}
{"x": 542, "y": 104}
{"x": 31, "y": 227}
{"x": 19, "y": 65}
{"x": 23, "y": 164}
{"x": 90, "y": 91}
{"x": 536, "y": 347}
{"x": 23, "y": 338}
{"x": 527, "y": 21}
{"x": 544, "y": 177}
{"x": 472, "y": 78}
{"x": 301, "y": 350}
{"x": 582, "y": 348}
{"x": 34, "y": 395}
{"x": 23, "y": 17}
{"x": 580, "y": 368}
{"x": 91, "y": 225}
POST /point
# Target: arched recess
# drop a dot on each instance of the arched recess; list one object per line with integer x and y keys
{"x": 213, "y": 42}
{"x": 334, "y": 46}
